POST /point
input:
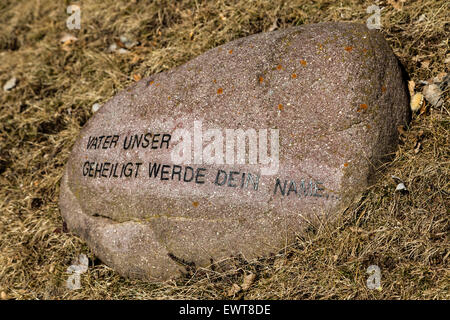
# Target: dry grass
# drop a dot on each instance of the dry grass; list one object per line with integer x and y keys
{"x": 406, "y": 235}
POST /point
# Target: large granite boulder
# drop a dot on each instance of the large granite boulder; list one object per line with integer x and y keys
{"x": 233, "y": 151}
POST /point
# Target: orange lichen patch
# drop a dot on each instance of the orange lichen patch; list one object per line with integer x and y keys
{"x": 230, "y": 52}
{"x": 348, "y": 49}
{"x": 151, "y": 82}
{"x": 294, "y": 76}
{"x": 364, "y": 50}
{"x": 261, "y": 79}
{"x": 137, "y": 77}
{"x": 368, "y": 126}
{"x": 346, "y": 164}
{"x": 362, "y": 106}
{"x": 168, "y": 98}
{"x": 303, "y": 62}
{"x": 219, "y": 91}
{"x": 215, "y": 81}
{"x": 279, "y": 67}
{"x": 280, "y": 107}
{"x": 195, "y": 203}
{"x": 383, "y": 89}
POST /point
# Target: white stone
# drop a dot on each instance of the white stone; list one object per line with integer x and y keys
{"x": 10, "y": 84}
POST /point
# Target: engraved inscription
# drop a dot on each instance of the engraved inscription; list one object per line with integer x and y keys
{"x": 283, "y": 188}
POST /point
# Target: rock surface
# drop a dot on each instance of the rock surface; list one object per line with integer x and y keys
{"x": 330, "y": 95}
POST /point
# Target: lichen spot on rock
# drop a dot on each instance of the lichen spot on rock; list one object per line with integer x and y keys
{"x": 361, "y": 107}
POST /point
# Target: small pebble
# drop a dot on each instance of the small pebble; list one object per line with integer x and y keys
{"x": 123, "y": 39}
{"x": 112, "y": 47}
{"x": 10, "y": 84}
{"x": 122, "y": 51}
{"x": 95, "y": 107}
{"x": 421, "y": 18}
{"x": 128, "y": 43}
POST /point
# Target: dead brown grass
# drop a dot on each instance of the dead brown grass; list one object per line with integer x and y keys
{"x": 406, "y": 235}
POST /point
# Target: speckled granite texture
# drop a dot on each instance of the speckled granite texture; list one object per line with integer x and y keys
{"x": 334, "y": 92}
